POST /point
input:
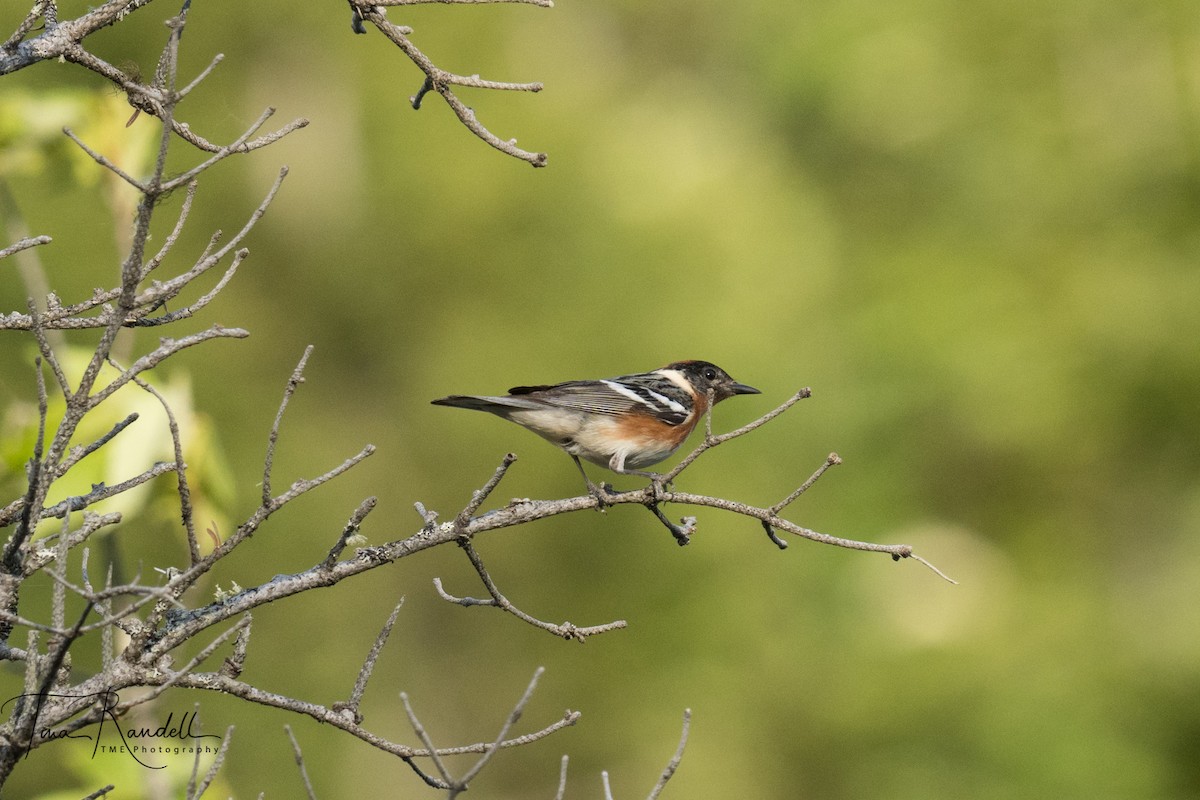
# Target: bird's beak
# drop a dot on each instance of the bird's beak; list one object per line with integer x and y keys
{"x": 741, "y": 388}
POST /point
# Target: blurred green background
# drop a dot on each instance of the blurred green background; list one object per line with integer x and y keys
{"x": 973, "y": 229}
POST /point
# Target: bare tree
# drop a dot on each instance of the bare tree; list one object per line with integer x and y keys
{"x": 142, "y": 624}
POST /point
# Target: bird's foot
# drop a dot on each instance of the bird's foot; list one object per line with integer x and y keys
{"x": 603, "y": 494}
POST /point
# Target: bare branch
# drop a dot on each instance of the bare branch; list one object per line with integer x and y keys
{"x": 562, "y": 780}
{"x": 16, "y": 54}
{"x": 25, "y": 26}
{"x": 146, "y": 302}
{"x": 185, "y": 210}
{"x": 185, "y": 494}
{"x": 194, "y": 790}
{"x": 308, "y": 787}
{"x": 101, "y": 491}
{"x": 352, "y": 529}
{"x": 566, "y": 630}
{"x": 711, "y": 441}
{"x": 423, "y": 735}
{"x": 364, "y": 674}
{"x": 104, "y": 162}
{"x": 238, "y": 145}
{"x": 80, "y": 452}
{"x": 479, "y": 496}
{"x": 514, "y": 715}
{"x": 24, "y": 244}
{"x": 439, "y": 80}
{"x": 210, "y": 681}
{"x": 165, "y": 350}
{"x": 673, "y": 764}
{"x": 204, "y": 73}
{"x": 832, "y": 460}
{"x": 293, "y": 382}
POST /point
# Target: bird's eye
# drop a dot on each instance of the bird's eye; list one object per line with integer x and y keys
{"x": 710, "y": 374}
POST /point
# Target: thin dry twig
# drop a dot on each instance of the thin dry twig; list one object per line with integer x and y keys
{"x": 440, "y": 81}
{"x": 462, "y": 783}
{"x": 181, "y": 483}
{"x": 299, "y": 756}
{"x": 562, "y": 779}
{"x": 364, "y": 674}
{"x": 566, "y": 630}
{"x": 194, "y": 790}
{"x": 423, "y": 735}
{"x": 293, "y": 382}
{"x": 673, "y": 764}
{"x": 710, "y": 441}
{"x": 24, "y": 244}
{"x": 353, "y": 527}
{"x": 479, "y": 496}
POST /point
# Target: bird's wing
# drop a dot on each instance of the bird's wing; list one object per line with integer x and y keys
{"x": 659, "y": 399}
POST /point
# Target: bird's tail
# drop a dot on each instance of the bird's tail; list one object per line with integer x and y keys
{"x": 493, "y": 405}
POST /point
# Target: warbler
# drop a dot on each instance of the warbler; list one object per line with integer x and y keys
{"x": 623, "y": 423}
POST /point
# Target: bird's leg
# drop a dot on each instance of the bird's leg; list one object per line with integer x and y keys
{"x": 657, "y": 479}
{"x": 657, "y": 488}
{"x": 599, "y": 492}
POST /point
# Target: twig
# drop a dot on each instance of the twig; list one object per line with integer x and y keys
{"x": 711, "y": 441}
{"x": 673, "y": 764}
{"x": 11, "y": 557}
{"x": 24, "y": 244}
{"x": 352, "y": 529}
{"x": 460, "y": 784}
{"x": 145, "y": 302}
{"x": 213, "y": 768}
{"x": 236, "y": 661}
{"x": 165, "y": 350}
{"x": 419, "y": 729}
{"x": 24, "y": 727}
{"x": 185, "y": 210}
{"x": 364, "y": 674}
{"x": 439, "y": 80}
{"x": 480, "y": 495}
{"x": 562, "y": 779}
{"x": 283, "y": 586}
{"x": 104, "y": 162}
{"x": 511, "y": 720}
{"x": 80, "y": 452}
{"x": 566, "y": 630}
{"x": 833, "y": 459}
{"x": 294, "y": 381}
{"x": 308, "y": 787}
{"x": 185, "y": 493}
{"x": 102, "y": 491}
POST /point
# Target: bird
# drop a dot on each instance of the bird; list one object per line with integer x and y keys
{"x": 623, "y": 423}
